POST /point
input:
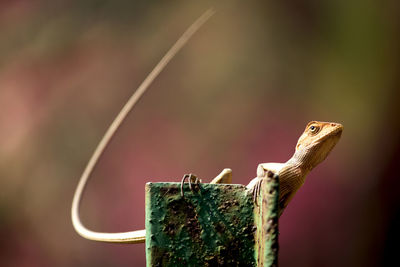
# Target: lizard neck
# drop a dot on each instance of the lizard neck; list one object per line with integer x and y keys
{"x": 292, "y": 176}
{"x": 301, "y": 161}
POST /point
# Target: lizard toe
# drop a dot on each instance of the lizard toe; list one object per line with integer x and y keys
{"x": 191, "y": 179}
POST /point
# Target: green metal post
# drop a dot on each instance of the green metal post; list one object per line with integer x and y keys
{"x": 212, "y": 225}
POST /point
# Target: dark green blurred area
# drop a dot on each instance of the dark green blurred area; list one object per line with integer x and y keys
{"x": 240, "y": 93}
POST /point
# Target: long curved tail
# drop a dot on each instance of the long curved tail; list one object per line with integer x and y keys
{"x": 139, "y": 235}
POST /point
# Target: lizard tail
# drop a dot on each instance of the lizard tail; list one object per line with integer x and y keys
{"x": 133, "y": 236}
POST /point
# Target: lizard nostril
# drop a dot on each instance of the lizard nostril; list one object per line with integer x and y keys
{"x": 333, "y": 124}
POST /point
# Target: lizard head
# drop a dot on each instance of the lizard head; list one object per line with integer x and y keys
{"x": 317, "y": 141}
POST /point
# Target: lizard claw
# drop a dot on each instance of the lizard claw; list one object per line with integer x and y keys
{"x": 256, "y": 190}
{"x": 191, "y": 178}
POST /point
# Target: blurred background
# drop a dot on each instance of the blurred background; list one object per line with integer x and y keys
{"x": 240, "y": 93}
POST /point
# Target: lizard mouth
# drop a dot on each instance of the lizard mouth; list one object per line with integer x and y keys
{"x": 329, "y": 141}
{"x": 336, "y": 133}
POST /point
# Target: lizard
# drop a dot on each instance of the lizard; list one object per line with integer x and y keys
{"x": 312, "y": 148}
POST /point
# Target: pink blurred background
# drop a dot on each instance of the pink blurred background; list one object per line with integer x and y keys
{"x": 240, "y": 93}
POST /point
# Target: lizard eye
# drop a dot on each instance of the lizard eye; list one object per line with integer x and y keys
{"x": 314, "y": 129}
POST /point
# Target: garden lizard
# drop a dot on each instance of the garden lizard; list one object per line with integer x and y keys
{"x": 312, "y": 148}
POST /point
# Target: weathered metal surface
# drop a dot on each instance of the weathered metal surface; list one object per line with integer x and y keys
{"x": 266, "y": 217}
{"x": 213, "y": 225}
